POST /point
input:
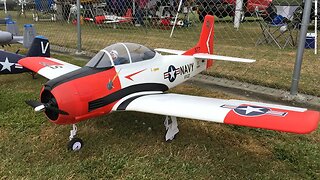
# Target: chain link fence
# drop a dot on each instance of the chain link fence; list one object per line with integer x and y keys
{"x": 266, "y": 30}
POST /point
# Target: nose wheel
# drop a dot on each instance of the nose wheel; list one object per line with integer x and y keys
{"x": 75, "y": 144}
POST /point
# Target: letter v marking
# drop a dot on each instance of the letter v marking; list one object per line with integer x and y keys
{"x": 44, "y": 49}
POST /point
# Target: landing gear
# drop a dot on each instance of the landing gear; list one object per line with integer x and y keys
{"x": 171, "y": 126}
{"x": 33, "y": 74}
{"x": 75, "y": 144}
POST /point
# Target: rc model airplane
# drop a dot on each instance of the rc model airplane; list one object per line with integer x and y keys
{"x": 9, "y": 61}
{"x": 138, "y": 81}
{"x": 111, "y": 19}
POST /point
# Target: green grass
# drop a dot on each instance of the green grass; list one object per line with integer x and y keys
{"x": 122, "y": 146}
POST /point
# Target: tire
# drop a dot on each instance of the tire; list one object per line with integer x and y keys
{"x": 75, "y": 144}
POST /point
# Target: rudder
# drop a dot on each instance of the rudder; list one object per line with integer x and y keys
{"x": 205, "y": 43}
{"x": 40, "y": 47}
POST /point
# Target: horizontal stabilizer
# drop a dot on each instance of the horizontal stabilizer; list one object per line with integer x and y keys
{"x": 170, "y": 51}
{"x": 222, "y": 58}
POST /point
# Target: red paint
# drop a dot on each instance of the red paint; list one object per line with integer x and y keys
{"x": 206, "y": 38}
{"x": 99, "y": 19}
{"x": 130, "y": 75}
{"x": 37, "y": 63}
{"x": 73, "y": 97}
{"x": 294, "y": 122}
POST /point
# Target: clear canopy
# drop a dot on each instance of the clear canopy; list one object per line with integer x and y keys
{"x": 121, "y": 53}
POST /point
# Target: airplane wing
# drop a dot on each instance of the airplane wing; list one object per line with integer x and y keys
{"x": 237, "y": 112}
{"x": 170, "y": 51}
{"x": 49, "y": 68}
{"x": 222, "y": 58}
{"x": 110, "y": 21}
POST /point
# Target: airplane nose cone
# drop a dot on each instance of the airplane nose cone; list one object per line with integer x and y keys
{"x": 5, "y": 37}
{"x": 48, "y": 98}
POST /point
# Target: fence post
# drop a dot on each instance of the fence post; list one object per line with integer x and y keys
{"x": 79, "y": 51}
{"x": 302, "y": 40}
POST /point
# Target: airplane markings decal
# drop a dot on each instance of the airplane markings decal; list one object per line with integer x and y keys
{"x": 130, "y": 75}
{"x": 253, "y": 111}
{"x": 44, "y": 49}
{"x": 172, "y": 72}
{"x": 6, "y": 65}
{"x": 110, "y": 83}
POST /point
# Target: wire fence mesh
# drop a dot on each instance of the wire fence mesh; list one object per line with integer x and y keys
{"x": 266, "y": 30}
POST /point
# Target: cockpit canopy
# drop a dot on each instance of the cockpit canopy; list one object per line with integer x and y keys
{"x": 121, "y": 53}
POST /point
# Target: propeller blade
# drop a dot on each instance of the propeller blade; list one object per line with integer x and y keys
{"x": 57, "y": 110}
{"x": 38, "y": 106}
{"x": 34, "y": 104}
{"x": 63, "y": 112}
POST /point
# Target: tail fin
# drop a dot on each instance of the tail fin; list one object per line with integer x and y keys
{"x": 28, "y": 35}
{"x": 40, "y": 47}
{"x": 128, "y": 13}
{"x": 12, "y": 27}
{"x": 205, "y": 43}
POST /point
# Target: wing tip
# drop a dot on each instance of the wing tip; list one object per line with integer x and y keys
{"x": 312, "y": 119}
{"x": 293, "y": 122}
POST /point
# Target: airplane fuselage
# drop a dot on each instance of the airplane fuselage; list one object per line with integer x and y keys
{"x": 90, "y": 92}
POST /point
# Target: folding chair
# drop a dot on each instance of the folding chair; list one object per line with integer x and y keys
{"x": 275, "y": 29}
{"x": 293, "y": 24}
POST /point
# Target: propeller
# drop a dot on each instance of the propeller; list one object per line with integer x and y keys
{"x": 51, "y": 106}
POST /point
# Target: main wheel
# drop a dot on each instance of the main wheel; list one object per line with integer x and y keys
{"x": 75, "y": 144}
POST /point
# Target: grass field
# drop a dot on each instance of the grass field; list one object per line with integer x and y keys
{"x": 131, "y": 145}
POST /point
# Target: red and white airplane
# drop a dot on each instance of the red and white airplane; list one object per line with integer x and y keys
{"x": 111, "y": 19}
{"x": 137, "y": 80}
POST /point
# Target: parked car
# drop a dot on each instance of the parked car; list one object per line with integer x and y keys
{"x": 223, "y": 8}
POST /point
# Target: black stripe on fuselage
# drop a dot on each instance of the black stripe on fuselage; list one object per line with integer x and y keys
{"x": 123, "y": 106}
{"x": 79, "y": 73}
{"x": 98, "y": 103}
